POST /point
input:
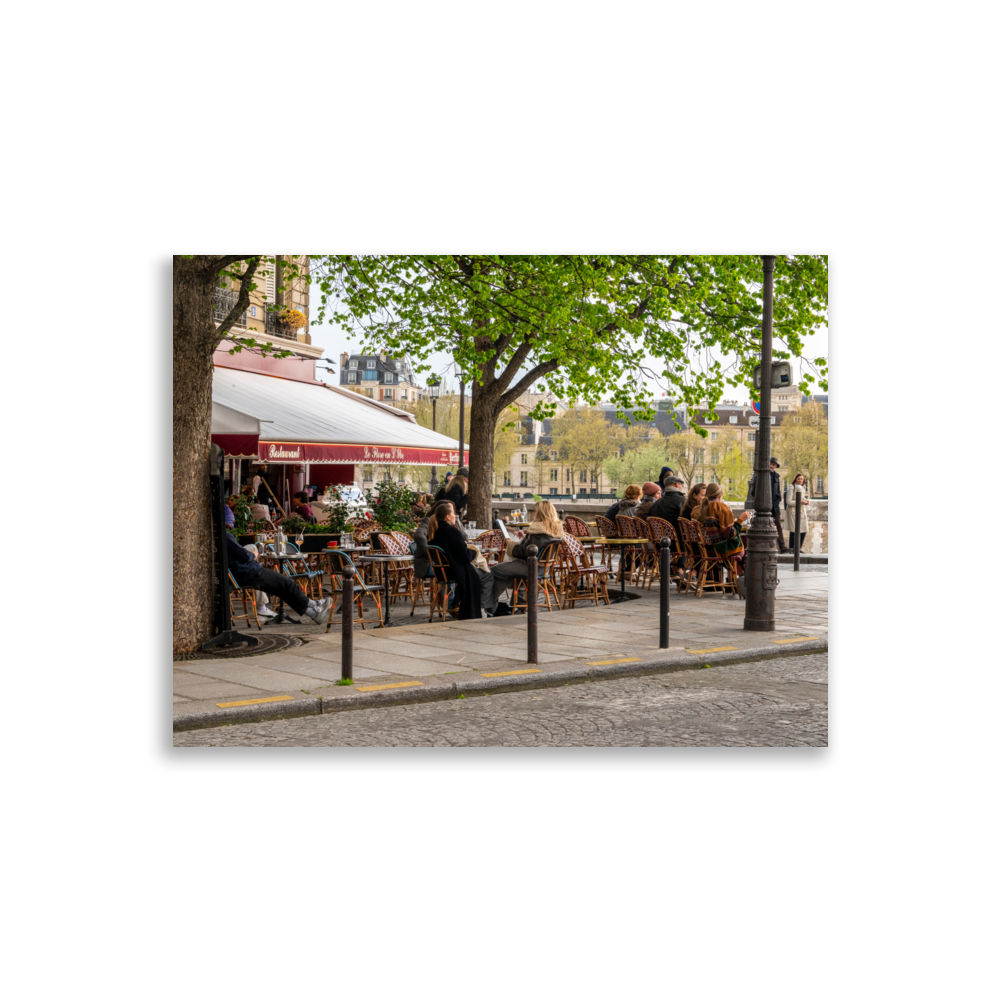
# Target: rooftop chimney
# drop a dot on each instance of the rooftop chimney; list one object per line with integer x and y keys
{"x": 343, "y": 360}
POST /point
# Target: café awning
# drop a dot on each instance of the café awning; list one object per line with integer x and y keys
{"x": 316, "y": 422}
{"x": 236, "y": 433}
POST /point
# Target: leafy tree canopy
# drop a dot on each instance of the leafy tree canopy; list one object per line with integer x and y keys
{"x": 584, "y": 323}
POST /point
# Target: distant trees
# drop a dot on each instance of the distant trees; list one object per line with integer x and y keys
{"x": 801, "y": 443}
{"x": 583, "y": 439}
{"x": 637, "y": 466}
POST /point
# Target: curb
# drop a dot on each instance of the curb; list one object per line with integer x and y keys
{"x": 487, "y": 685}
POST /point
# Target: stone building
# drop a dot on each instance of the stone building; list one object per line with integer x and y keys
{"x": 379, "y": 376}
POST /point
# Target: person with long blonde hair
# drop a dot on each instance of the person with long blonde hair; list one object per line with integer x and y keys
{"x": 545, "y": 528}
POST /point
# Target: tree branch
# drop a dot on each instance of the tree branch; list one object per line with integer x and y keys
{"x": 513, "y": 394}
{"x": 242, "y": 300}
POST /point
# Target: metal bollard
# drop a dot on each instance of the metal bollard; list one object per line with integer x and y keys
{"x": 347, "y": 627}
{"x": 665, "y": 593}
{"x": 532, "y": 551}
{"x": 798, "y": 538}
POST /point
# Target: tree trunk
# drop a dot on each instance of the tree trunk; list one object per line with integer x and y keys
{"x": 194, "y": 336}
{"x": 483, "y": 413}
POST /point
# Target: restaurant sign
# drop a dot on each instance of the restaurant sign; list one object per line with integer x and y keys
{"x": 357, "y": 454}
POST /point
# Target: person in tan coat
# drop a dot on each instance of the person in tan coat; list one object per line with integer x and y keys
{"x": 714, "y": 512}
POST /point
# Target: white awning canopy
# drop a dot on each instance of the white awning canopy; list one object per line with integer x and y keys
{"x": 315, "y": 422}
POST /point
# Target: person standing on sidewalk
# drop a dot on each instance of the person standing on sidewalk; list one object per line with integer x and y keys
{"x": 798, "y": 486}
{"x": 775, "y": 500}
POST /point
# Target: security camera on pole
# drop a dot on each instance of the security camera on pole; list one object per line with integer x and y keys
{"x": 762, "y": 538}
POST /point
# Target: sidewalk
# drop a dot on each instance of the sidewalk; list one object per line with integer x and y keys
{"x": 419, "y": 661}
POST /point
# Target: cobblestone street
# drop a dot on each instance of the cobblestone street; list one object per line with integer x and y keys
{"x": 779, "y": 702}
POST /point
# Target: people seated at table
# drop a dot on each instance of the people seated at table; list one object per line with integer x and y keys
{"x": 650, "y": 494}
{"x": 669, "y": 506}
{"x": 444, "y": 532}
{"x": 545, "y": 527}
{"x": 301, "y": 506}
{"x": 714, "y": 513}
{"x": 248, "y": 572}
{"x": 693, "y": 499}
{"x": 627, "y": 505}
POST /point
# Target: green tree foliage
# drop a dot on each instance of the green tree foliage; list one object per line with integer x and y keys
{"x": 583, "y": 439}
{"x": 584, "y": 324}
{"x": 637, "y": 466}
{"x": 803, "y": 445}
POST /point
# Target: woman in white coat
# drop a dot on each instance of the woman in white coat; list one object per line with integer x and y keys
{"x": 798, "y": 486}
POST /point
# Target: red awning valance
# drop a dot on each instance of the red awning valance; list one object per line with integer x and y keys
{"x": 237, "y": 445}
{"x": 351, "y": 454}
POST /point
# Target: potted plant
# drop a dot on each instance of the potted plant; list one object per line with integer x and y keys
{"x": 393, "y": 507}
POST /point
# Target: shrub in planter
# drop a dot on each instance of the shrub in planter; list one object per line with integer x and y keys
{"x": 393, "y": 506}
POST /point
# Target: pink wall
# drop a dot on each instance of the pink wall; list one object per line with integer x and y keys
{"x": 299, "y": 369}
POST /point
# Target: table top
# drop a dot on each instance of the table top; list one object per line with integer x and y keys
{"x": 386, "y": 557}
{"x": 623, "y": 541}
{"x": 285, "y": 555}
{"x": 348, "y": 548}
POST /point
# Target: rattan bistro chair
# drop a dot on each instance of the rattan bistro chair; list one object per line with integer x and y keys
{"x": 441, "y": 582}
{"x": 340, "y": 561}
{"x": 582, "y": 581}
{"x": 235, "y": 590}
{"x": 548, "y": 561}
{"x": 710, "y": 561}
{"x": 660, "y": 528}
{"x": 576, "y": 526}
{"x": 398, "y": 575}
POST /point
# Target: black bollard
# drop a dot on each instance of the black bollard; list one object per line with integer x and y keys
{"x": 532, "y": 551}
{"x": 347, "y": 627}
{"x": 798, "y": 521}
{"x": 665, "y": 593}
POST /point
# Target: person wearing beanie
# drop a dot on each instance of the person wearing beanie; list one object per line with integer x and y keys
{"x": 664, "y": 473}
{"x": 668, "y": 507}
{"x": 775, "y": 499}
{"x": 464, "y": 471}
{"x": 650, "y": 494}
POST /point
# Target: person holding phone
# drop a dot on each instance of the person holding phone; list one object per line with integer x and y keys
{"x": 798, "y": 486}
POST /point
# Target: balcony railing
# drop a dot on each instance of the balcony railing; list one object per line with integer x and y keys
{"x": 273, "y": 328}
{"x": 224, "y": 302}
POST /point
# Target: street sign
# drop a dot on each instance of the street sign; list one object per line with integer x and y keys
{"x": 755, "y": 407}
{"x": 755, "y": 421}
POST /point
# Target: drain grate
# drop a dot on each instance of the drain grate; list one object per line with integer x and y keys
{"x": 265, "y": 644}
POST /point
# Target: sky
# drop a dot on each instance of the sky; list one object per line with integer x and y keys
{"x": 334, "y": 340}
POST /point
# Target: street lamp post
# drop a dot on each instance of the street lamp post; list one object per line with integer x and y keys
{"x": 762, "y": 538}
{"x": 434, "y": 386}
{"x": 461, "y": 420}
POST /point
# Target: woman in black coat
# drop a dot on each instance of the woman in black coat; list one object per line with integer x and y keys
{"x": 460, "y": 557}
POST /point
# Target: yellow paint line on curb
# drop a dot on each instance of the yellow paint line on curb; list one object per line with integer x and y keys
{"x": 714, "y": 649}
{"x": 383, "y": 687}
{"x": 804, "y": 639}
{"x": 603, "y": 663}
{"x": 253, "y": 701}
{"x": 510, "y": 673}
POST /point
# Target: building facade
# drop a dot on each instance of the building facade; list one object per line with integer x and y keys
{"x": 382, "y": 377}
{"x": 281, "y": 316}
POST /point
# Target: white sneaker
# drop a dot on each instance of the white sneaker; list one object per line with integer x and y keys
{"x": 317, "y": 612}
{"x": 263, "y": 611}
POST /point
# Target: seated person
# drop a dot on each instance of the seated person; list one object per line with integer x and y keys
{"x": 628, "y": 503}
{"x": 248, "y": 572}
{"x": 444, "y": 532}
{"x": 300, "y": 506}
{"x": 650, "y": 494}
{"x": 545, "y": 527}
{"x": 668, "y": 507}
{"x": 713, "y": 512}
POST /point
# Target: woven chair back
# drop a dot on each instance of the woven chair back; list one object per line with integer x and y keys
{"x": 606, "y": 526}
{"x": 576, "y": 526}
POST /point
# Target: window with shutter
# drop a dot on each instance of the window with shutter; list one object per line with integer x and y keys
{"x": 269, "y": 283}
